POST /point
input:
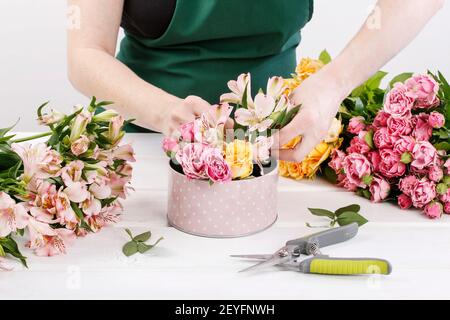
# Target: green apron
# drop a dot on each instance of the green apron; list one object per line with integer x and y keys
{"x": 210, "y": 42}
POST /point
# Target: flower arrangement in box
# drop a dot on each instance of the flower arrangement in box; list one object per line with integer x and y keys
{"x": 398, "y": 142}
{"x": 55, "y": 191}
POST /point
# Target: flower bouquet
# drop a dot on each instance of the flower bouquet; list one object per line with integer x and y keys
{"x": 397, "y": 143}
{"x": 55, "y": 191}
{"x": 223, "y": 180}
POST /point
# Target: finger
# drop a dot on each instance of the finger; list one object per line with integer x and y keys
{"x": 229, "y": 124}
{"x": 309, "y": 142}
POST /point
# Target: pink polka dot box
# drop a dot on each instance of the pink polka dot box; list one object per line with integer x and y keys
{"x": 222, "y": 210}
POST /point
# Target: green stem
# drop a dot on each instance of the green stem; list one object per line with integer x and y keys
{"x": 36, "y": 136}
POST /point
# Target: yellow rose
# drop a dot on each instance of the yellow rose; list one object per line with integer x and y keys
{"x": 282, "y": 169}
{"x": 307, "y": 67}
{"x": 239, "y": 156}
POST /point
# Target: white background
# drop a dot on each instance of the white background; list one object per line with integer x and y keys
{"x": 33, "y": 54}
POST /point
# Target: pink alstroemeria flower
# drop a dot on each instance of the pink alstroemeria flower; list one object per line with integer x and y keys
{"x": 275, "y": 87}
{"x": 125, "y": 152}
{"x": 55, "y": 245}
{"x": 53, "y": 117}
{"x": 38, "y": 230}
{"x": 115, "y": 132}
{"x": 80, "y": 146}
{"x": 237, "y": 88}
{"x": 34, "y": 160}
{"x": 100, "y": 188}
{"x": 257, "y": 117}
{"x": 13, "y": 216}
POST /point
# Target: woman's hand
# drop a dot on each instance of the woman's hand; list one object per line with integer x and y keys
{"x": 183, "y": 111}
{"x": 319, "y": 96}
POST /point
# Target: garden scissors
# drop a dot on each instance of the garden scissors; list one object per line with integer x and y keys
{"x": 289, "y": 255}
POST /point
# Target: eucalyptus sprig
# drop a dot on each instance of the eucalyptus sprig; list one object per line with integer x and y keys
{"x": 342, "y": 216}
{"x": 137, "y": 243}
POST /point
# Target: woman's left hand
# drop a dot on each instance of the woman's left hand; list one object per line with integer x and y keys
{"x": 319, "y": 96}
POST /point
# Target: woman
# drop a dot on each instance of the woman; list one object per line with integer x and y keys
{"x": 178, "y": 55}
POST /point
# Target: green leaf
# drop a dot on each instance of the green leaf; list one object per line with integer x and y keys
{"x": 39, "y": 109}
{"x": 325, "y": 57}
{"x": 130, "y": 248}
{"x": 400, "y": 78}
{"x": 2, "y": 251}
{"x": 349, "y": 217}
{"x": 143, "y": 237}
{"x": 406, "y": 158}
{"x": 10, "y": 246}
{"x": 368, "y": 138}
{"x": 322, "y": 212}
{"x": 289, "y": 116}
{"x": 329, "y": 174}
{"x": 352, "y": 208}
{"x": 375, "y": 81}
{"x": 367, "y": 179}
{"x": 4, "y": 131}
{"x": 142, "y": 247}
{"x": 244, "y": 97}
{"x": 442, "y": 146}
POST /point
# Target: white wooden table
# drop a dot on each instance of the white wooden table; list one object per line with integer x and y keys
{"x": 189, "y": 267}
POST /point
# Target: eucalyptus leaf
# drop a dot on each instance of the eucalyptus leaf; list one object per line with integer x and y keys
{"x": 322, "y": 212}
{"x": 143, "y": 237}
{"x": 142, "y": 247}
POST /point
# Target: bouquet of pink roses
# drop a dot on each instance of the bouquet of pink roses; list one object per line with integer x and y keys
{"x": 397, "y": 143}
{"x": 206, "y": 150}
{"x": 54, "y": 191}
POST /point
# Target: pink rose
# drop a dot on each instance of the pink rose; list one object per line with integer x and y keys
{"x": 436, "y": 120}
{"x": 433, "y": 210}
{"x": 170, "y": 145}
{"x": 404, "y": 202}
{"x": 424, "y": 89}
{"x": 191, "y": 160}
{"x": 379, "y": 188}
{"x": 404, "y": 144}
{"x": 80, "y": 146}
{"x": 407, "y": 184}
{"x": 398, "y": 103}
{"x": 217, "y": 168}
{"x": 447, "y": 208}
{"x": 187, "y": 131}
{"x": 356, "y": 125}
{"x": 346, "y": 184}
{"x": 446, "y": 196}
{"x": 447, "y": 166}
{"x": 381, "y": 119}
{"x": 423, "y": 193}
{"x": 422, "y": 129}
{"x": 356, "y": 166}
{"x": 424, "y": 155}
{"x": 390, "y": 165}
{"x": 435, "y": 174}
{"x": 337, "y": 161}
{"x": 399, "y": 126}
{"x": 375, "y": 159}
{"x": 358, "y": 145}
{"x": 383, "y": 139}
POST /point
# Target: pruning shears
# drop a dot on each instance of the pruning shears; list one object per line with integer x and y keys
{"x": 290, "y": 254}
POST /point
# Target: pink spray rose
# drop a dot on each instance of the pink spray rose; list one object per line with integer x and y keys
{"x": 404, "y": 202}
{"x": 447, "y": 208}
{"x": 170, "y": 145}
{"x": 356, "y": 125}
{"x": 379, "y": 188}
{"x": 447, "y": 166}
{"x": 433, "y": 210}
{"x": 356, "y": 167}
{"x": 345, "y": 183}
{"x": 407, "y": 184}
{"x": 398, "y": 103}
{"x": 80, "y": 146}
{"x": 217, "y": 168}
{"x": 446, "y": 196}
{"x": 374, "y": 158}
{"x": 383, "y": 139}
{"x": 404, "y": 144}
{"x": 424, "y": 89}
{"x": 358, "y": 145}
{"x": 424, "y": 155}
{"x": 381, "y": 119}
{"x": 435, "y": 174}
{"x": 337, "y": 161}
{"x": 423, "y": 193}
{"x": 436, "y": 120}
{"x": 191, "y": 160}
{"x": 187, "y": 131}
{"x": 422, "y": 128}
{"x": 390, "y": 165}
{"x": 399, "y": 126}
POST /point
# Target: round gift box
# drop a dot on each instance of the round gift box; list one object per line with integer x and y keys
{"x": 222, "y": 210}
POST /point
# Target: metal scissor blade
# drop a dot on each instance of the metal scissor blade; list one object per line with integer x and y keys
{"x": 267, "y": 263}
{"x": 252, "y": 256}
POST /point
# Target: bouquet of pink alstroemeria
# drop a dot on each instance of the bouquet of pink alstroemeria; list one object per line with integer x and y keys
{"x": 206, "y": 150}
{"x": 397, "y": 144}
{"x": 53, "y": 191}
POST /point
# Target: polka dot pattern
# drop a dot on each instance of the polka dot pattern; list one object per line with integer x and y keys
{"x": 222, "y": 210}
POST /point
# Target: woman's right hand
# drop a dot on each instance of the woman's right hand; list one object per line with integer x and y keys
{"x": 181, "y": 112}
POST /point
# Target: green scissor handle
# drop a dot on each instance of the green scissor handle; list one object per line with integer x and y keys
{"x": 345, "y": 266}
